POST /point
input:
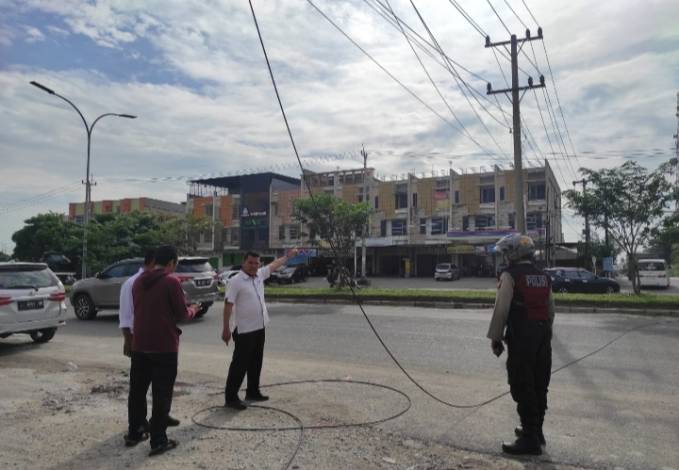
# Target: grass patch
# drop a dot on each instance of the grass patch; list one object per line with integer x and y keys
{"x": 649, "y": 301}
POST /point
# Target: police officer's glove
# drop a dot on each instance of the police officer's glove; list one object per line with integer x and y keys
{"x": 497, "y": 347}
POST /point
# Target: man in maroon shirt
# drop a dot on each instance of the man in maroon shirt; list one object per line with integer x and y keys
{"x": 159, "y": 304}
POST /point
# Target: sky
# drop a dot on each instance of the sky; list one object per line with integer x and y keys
{"x": 195, "y": 75}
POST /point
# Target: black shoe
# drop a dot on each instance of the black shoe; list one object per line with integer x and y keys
{"x": 171, "y": 422}
{"x": 235, "y": 405}
{"x": 132, "y": 440}
{"x": 256, "y": 396}
{"x": 524, "y": 445}
{"x": 518, "y": 432}
{"x": 164, "y": 447}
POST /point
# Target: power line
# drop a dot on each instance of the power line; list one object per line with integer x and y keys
{"x": 431, "y": 80}
{"x": 499, "y": 17}
{"x": 384, "y": 69}
{"x": 397, "y": 22}
{"x": 517, "y": 16}
{"x": 456, "y": 76}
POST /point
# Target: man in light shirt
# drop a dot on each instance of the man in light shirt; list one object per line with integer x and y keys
{"x": 246, "y": 315}
{"x": 126, "y": 320}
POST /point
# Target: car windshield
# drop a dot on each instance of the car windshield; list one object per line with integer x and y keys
{"x": 194, "y": 266}
{"x": 651, "y": 266}
{"x": 33, "y": 278}
{"x": 442, "y": 266}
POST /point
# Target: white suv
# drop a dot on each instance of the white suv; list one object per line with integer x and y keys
{"x": 32, "y": 301}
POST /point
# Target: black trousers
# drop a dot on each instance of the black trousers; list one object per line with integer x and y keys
{"x": 529, "y": 365}
{"x": 248, "y": 355}
{"x": 160, "y": 371}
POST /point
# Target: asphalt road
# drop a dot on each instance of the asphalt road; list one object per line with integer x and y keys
{"x": 617, "y": 408}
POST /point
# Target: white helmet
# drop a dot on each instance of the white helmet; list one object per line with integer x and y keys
{"x": 516, "y": 246}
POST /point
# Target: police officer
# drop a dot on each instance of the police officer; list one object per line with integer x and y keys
{"x": 523, "y": 317}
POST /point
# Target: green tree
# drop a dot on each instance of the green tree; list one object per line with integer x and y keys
{"x": 334, "y": 221}
{"x": 630, "y": 201}
{"x": 47, "y": 232}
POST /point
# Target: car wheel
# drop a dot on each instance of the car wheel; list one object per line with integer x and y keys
{"x": 43, "y": 336}
{"x": 84, "y": 307}
{"x": 203, "y": 310}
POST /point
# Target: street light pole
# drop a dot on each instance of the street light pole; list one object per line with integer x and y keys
{"x": 88, "y": 183}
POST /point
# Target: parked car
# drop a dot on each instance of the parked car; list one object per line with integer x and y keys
{"x": 446, "y": 271}
{"x": 581, "y": 281}
{"x": 227, "y": 273}
{"x": 198, "y": 280}
{"x": 654, "y": 273}
{"x": 289, "y": 274}
{"x": 32, "y": 301}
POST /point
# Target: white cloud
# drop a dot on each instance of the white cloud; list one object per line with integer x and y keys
{"x": 617, "y": 89}
{"x": 33, "y": 34}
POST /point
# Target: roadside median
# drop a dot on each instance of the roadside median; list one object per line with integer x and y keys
{"x": 648, "y": 304}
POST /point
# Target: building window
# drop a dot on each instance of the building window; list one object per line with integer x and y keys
{"x": 207, "y": 209}
{"x": 331, "y": 180}
{"x": 443, "y": 185}
{"x": 457, "y": 197}
{"x": 536, "y": 191}
{"x": 401, "y": 200}
{"x": 484, "y": 221}
{"x": 465, "y": 222}
{"x": 502, "y": 193}
{"x": 487, "y": 194}
{"x": 236, "y": 210}
{"x": 534, "y": 220}
{"x": 423, "y": 226}
{"x": 398, "y": 227}
{"x": 377, "y": 202}
{"x": 235, "y": 236}
{"x": 439, "y": 225}
{"x": 415, "y": 200}
{"x": 512, "y": 220}
{"x": 281, "y": 232}
{"x": 294, "y": 232}
{"x": 383, "y": 228}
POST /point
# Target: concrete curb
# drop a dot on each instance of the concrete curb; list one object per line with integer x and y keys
{"x": 471, "y": 305}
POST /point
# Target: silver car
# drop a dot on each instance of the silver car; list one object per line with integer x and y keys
{"x": 102, "y": 292}
{"x": 32, "y": 301}
{"x": 446, "y": 271}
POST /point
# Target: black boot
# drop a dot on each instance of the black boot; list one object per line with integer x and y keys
{"x": 524, "y": 445}
{"x": 518, "y": 432}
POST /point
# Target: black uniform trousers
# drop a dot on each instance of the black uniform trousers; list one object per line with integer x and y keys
{"x": 529, "y": 365}
{"x": 160, "y": 371}
{"x": 248, "y": 355}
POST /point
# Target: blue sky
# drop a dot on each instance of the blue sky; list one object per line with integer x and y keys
{"x": 193, "y": 72}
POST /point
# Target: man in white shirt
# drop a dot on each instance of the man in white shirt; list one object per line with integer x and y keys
{"x": 245, "y": 314}
{"x": 126, "y": 305}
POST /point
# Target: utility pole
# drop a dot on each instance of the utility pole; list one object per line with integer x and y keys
{"x": 588, "y": 260}
{"x": 516, "y": 101}
{"x": 676, "y": 158}
{"x": 367, "y": 200}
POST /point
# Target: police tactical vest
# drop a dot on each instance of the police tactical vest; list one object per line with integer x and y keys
{"x": 531, "y": 293}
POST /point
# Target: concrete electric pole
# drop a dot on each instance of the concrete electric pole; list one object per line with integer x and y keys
{"x": 588, "y": 259}
{"x": 516, "y": 101}
{"x": 366, "y": 199}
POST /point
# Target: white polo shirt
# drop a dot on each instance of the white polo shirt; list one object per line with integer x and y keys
{"x": 246, "y": 293}
{"x": 126, "y": 305}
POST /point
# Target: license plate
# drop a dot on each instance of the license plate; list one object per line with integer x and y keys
{"x": 31, "y": 304}
{"x": 203, "y": 282}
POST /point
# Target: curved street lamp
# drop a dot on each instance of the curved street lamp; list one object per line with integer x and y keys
{"x": 88, "y": 184}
